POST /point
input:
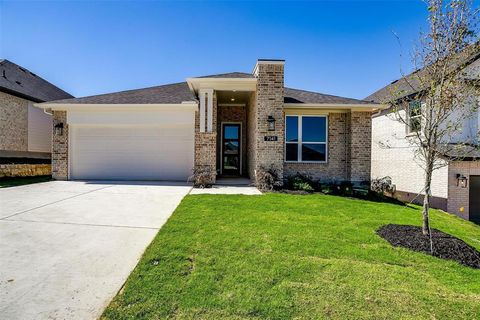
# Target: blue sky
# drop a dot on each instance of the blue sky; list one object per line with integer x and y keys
{"x": 345, "y": 48}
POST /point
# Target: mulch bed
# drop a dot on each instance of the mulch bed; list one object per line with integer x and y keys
{"x": 445, "y": 246}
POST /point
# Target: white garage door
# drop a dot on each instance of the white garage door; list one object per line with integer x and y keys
{"x": 132, "y": 152}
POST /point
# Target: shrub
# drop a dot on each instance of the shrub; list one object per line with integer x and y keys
{"x": 267, "y": 179}
{"x": 344, "y": 188}
{"x": 202, "y": 177}
{"x": 383, "y": 185}
{"x": 300, "y": 182}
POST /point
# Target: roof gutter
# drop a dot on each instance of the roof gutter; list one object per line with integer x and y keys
{"x": 185, "y": 105}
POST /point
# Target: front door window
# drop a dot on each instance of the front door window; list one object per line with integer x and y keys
{"x": 231, "y": 149}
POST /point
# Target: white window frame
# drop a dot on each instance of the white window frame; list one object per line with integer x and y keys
{"x": 300, "y": 139}
{"x": 419, "y": 116}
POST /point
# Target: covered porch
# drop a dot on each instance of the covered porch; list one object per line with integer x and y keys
{"x": 225, "y": 127}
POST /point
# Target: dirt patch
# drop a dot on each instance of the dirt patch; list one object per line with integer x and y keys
{"x": 445, "y": 246}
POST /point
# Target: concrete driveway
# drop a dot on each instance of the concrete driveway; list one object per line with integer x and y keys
{"x": 67, "y": 247}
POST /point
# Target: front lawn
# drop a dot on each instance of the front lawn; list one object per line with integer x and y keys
{"x": 281, "y": 256}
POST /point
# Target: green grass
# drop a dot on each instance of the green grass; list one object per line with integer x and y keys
{"x": 281, "y": 256}
{"x": 19, "y": 181}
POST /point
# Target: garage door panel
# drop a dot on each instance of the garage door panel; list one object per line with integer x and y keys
{"x": 143, "y": 152}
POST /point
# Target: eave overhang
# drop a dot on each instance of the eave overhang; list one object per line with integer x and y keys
{"x": 186, "y": 105}
{"x": 222, "y": 84}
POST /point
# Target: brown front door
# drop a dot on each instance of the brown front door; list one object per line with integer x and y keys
{"x": 474, "y": 206}
{"x": 231, "y": 149}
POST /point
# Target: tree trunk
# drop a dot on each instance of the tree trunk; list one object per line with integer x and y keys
{"x": 426, "y": 199}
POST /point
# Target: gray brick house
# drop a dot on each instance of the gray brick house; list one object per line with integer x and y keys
{"x": 233, "y": 124}
{"x": 25, "y": 131}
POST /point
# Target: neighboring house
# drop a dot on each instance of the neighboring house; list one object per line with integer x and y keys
{"x": 455, "y": 186}
{"x": 233, "y": 124}
{"x": 25, "y": 131}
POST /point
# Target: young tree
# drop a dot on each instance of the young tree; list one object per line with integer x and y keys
{"x": 437, "y": 100}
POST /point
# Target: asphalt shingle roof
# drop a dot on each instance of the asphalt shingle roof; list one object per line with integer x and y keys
{"x": 179, "y": 92}
{"x": 302, "y": 96}
{"x": 460, "y": 151}
{"x": 166, "y": 94}
{"x": 411, "y": 84}
{"x": 21, "y": 82}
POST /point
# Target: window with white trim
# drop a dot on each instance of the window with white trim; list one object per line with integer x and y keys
{"x": 306, "y": 138}
{"x": 414, "y": 116}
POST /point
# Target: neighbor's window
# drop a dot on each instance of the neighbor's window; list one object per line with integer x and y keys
{"x": 306, "y": 138}
{"x": 414, "y": 116}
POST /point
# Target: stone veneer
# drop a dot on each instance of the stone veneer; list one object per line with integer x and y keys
{"x": 458, "y": 197}
{"x": 269, "y": 102}
{"x": 60, "y": 147}
{"x": 25, "y": 170}
{"x": 13, "y": 123}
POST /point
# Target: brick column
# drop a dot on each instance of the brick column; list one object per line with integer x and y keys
{"x": 206, "y": 143}
{"x": 60, "y": 147}
{"x": 360, "y": 140}
{"x": 269, "y": 102}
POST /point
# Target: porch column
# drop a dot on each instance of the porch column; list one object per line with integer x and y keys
{"x": 206, "y": 133}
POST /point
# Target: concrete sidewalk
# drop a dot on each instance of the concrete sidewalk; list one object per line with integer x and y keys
{"x": 67, "y": 247}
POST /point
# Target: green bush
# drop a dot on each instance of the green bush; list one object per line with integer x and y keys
{"x": 300, "y": 182}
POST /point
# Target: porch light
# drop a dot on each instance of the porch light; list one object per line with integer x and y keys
{"x": 59, "y": 129}
{"x": 271, "y": 123}
{"x": 461, "y": 180}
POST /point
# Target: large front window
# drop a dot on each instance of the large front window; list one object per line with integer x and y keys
{"x": 306, "y": 138}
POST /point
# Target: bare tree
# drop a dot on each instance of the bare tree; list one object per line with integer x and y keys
{"x": 438, "y": 99}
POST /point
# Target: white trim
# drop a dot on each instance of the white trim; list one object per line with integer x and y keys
{"x": 239, "y": 147}
{"x": 219, "y": 84}
{"x": 209, "y": 110}
{"x": 300, "y": 138}
{"x": 192, "y": 105}
{"x": 202, "y": 110}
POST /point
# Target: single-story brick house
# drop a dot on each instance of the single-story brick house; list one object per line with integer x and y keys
{"x": 233, "y": 124}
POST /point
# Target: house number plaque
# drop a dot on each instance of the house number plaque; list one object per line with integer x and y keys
{"x": 270, "y": 138}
